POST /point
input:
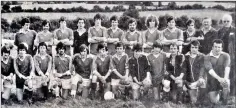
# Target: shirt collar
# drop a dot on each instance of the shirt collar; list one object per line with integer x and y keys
{"x": 172, "y": 29}
{"x": 132, "y": 33}
{"x": 208, "y": 29}
{"x": 211, "y": 54}
{"x": 23, "y": 31}
{"x": 121, "y": 55}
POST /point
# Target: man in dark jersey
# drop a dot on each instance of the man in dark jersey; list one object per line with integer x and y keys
{"x": 26, "y": 35}
{"x": 82, "y": 71}
{"x": 24, "y": 69}
{"x": 7, "y": 72}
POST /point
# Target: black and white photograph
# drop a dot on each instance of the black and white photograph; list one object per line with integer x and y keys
{"x": 118, "y": 54}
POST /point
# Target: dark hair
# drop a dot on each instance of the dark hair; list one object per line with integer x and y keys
{"x": 62, "y": 19}
{"x": 218, "y": 41}
{"x": 137, "y": 47}
{"x": 42, "y": 44}
{"x": 82, "y": 48}
{"x": 190, "y": 21}
{"x": 114, "y": 18}
{"x": 131, "y": 20}
{"x": 24, "y": 20}
{"x": 80, "y": 19}
{"x": 174, "y": 44}
{"x": 152, "y": 18}
{"x": 195, "y": 43}
{"x": 170, "y": 19}
{"x": 101, "y": 46}
{"x": 22, "y": 46}
{"x": 59, "y": 46}
{"x": 5, "y": 50}
{"x": 119, "y": 44}
{"x": 97, "y": 16}
{"x": 45, "y": 22}
{"x": 157, "y": 45}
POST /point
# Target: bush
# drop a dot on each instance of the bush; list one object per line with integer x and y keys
{"x": 17, "y": 9}
{"x": 134, "y": 13}
{"x": 5, "y": 25}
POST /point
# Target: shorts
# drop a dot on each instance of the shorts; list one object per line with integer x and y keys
{"x": 77, "y": 78}
{"x": 7, "y": 83}
{"x": 115, "y": 82}
{"x": 20, "y": 82}
{"x": 64, "y": 83}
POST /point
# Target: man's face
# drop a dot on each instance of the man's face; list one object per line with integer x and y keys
{"x": 156, "y": 50}
{"x": 152, "y": 24}
{"x": 173, "y": 49}
{"x": 5, "y": 55}
{"x": 194, "y": 49}
{"x": 22, "y": 52}
{"x": 42, "y": 49}
{"x": 217, "y": 48}
{"x": 103, "y": 51}
{"x": 137, "y": 53}
{"x": 61, "y": 51}
{"x": 46, "y": 27}
{"x": 63, "y": 24}
{"x": 191, "y": 26}
{"x": 132, "y": 26}
{"x": 227, "y": 21}
{"x": 206, "y": 23}
{"x": 114, "y": 23}
{"x": 26, "y": 26}
{"x": 120, "y": 50}
{"x": 98, "y": 22}
{"x": 171, "y": 24}
{"x": 81, "y": 24}
{"x": 83, "y": 53}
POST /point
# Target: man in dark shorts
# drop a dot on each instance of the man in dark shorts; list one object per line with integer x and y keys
{"x": 217, "y": 64}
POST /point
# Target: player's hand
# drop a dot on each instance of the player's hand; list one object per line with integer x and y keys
{"x": 221, "y": 80}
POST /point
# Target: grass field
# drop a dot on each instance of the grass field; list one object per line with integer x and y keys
{"x": 87, "y": 103}
{"x": 214, "y": 14}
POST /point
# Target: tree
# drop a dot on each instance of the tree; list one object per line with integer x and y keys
{"x": 147, "y": 3}
{"x": 159, "y": 4}
{"x": 17, "y": 9}
{"x": 49, "y": 9}
{"x": 132, "y": 13}
{"x": 6, "y": 8}
{"x": 172, "y": 5}
{"x": 97, "y": 8}
{"x": 4, "y": 24}
{"x": 131, "y": 6}
{"x": 107, "y": 9}
{"x": 41, "y": 9}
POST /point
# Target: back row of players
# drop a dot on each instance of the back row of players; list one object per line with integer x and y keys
{"x": 118, "y": 59}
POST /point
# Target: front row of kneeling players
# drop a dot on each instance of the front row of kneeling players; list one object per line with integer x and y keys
{"x": 98, "y": 75}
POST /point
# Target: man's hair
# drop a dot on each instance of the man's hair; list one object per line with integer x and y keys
{"x": 207, "y": 18}
{"x": 101, "y": 46}
{"x": 60, "y": 45}
{"x": 195, "y": 43}
{"x": 80, "y": 19}
{"x": 174, "y": 44}
{"x": 5, "y": 50}
{"x": 42, "y": 44}
{"x": 114, "y": 18}
{"x": 22, "y": 46}
{"x": 170, "y": 18}
{"x": 82, "y": 48}
{"x": 62, "y": 19}
{"x": 119, "y": 44}
{"x": 45, "y": 22}
{"x": 190, "y": 21}
{"x": 24, "y": 20}
{"x": 218, "y": 41}
{"x": 131, "y": 20}
{"x": 137, "y": 47}
{"x": 157, "y": 45}
{"x": 152, "y": 18}
{"x": 97, "y": 16}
